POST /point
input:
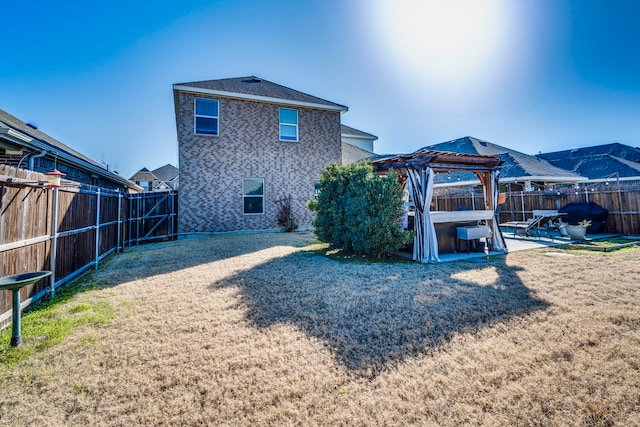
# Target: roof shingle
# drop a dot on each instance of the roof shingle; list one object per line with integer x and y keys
{"x": 599, "y": 161}
{"x": 348, "y": 130}
{"x": 516, "y": 164}
{"x": 8, "y": 120}
{"x": 256, "y": 86}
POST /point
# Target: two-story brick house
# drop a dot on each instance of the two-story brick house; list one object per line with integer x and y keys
{"x": 244, "y": 143}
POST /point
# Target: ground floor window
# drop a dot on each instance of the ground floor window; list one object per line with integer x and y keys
{"x": 253, "y": 196}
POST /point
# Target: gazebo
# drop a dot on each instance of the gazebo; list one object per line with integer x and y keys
{"x": 435, "y": 228}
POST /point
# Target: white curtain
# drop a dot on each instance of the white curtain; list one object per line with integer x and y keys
{"x": 425, "y": 244}
{"x": 431, "y": 240}
{"x": 499, "y": 244}
{"x": 413, "y": 182}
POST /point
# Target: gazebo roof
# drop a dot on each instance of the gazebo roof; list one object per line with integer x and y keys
{"x": 437, "y": 160}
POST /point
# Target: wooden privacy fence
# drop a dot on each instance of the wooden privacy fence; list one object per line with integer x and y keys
{"x": 622, "y": 202}
{"x": 70, "y": 230}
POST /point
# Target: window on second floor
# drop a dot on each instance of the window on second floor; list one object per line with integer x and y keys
{"x": 206, "y": 116}
{"x": 288, "y": 124}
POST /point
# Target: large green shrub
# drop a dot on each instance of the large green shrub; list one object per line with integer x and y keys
{"x": 360, "y": 211}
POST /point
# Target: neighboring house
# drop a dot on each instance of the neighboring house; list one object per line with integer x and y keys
{"x": 601, "y": 163}
{"x": 356, "y": 144}
{"x": 520, "y": 172}
{"x": 24, "y": 146}
{"x": 245, "y": 144}
{"x": 161, "y": 179}
{"x": 168, "y": 175}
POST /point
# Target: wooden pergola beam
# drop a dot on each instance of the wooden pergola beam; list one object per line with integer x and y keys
{"x": 439, "y": 162}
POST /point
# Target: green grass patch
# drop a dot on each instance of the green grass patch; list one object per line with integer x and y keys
{"x": 79, "y": 388}
{"x": 49, "y": 322}
{"x": 80, "y": 308}
{"x": 613, "y": 242}
{"x": 606, "y": 245}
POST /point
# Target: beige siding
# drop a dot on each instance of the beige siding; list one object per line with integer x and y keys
{"x": 212, "y": 167}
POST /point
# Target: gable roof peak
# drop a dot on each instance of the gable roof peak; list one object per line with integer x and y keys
{"x": 167, "y": 172}
{"x": 257, "y": 89}
{"x": 516, "y": 163}
{"x": 252, "y": 79}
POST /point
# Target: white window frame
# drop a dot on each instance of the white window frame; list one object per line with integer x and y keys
{"x": 196, "y": 115}
{"x": 295, "y": 126}
{"x": 253, "y": 195}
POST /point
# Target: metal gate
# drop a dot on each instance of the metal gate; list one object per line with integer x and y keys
{"x": 152, "y": 216}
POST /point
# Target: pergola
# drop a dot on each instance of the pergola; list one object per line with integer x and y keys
{"x": 417, "y": 171}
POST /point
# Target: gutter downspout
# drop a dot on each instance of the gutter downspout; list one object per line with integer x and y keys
{"x": 42, "y": 154}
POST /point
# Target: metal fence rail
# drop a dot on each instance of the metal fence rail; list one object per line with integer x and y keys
{"x": 70, "y": 230}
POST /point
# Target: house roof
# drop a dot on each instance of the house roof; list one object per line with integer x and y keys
{"x": 257, "y": 89}
{"x": 355, "y": 133}
{"x": 7, "y": 120}
{"x": 615, "y": 149}
{"x": 166, "y": 173}
{"x": 516, "y": 165}
{"x": 34, "y": 139}
{"x": 144, "y": 175}
{"x": 598, "y": 162}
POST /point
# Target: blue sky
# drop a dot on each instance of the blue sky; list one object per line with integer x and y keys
{"x": 540, "y": 75}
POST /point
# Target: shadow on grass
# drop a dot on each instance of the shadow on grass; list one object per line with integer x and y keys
{"x": 373, "y": 315}
{"x": 46, "y": 322}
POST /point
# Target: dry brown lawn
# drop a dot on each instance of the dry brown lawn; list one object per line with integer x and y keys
{"x": 264, "y": 329}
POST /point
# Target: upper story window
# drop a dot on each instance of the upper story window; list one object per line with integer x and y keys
{"x": 253, "y": 196}
{"x": 288, "y": 124}
{"x": 206, "y": 116}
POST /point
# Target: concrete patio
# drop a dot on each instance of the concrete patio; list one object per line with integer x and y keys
{"x": 520, "y": 243}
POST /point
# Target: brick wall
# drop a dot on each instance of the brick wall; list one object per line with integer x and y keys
{"x": 212, "y": 168}
{"x": 351, "y": 153}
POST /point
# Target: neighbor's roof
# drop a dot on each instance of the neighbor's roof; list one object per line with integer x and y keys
{"x": 615, "y": 149}
{"x": 38, "y": 140}
{"x": 598, "y": 162}
{"x": 144, "y": 175}
{"x": 516, "y": 164}
{"x": 355, "y": 133}
{"x": 166, "y": 173}
{"x": 8, "y": 120}
{"x": 257, "y": 89}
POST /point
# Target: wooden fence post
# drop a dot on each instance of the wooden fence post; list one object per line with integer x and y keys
{"x": 624, "y": 223}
